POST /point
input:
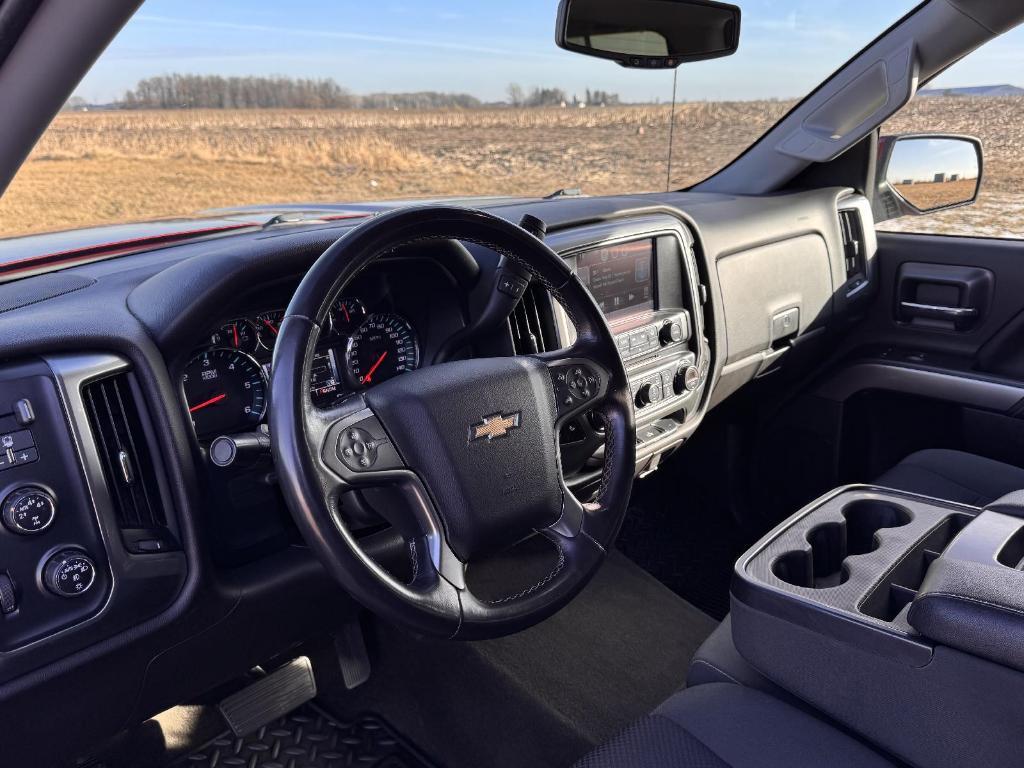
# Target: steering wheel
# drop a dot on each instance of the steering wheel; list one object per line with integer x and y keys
{"x": 472, "y": 446}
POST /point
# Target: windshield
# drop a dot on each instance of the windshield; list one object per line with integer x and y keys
{"x": 200, "y": 105}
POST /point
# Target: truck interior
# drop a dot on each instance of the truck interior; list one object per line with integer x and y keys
{"x": 720, "y": 476}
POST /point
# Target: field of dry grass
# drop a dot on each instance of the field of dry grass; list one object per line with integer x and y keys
{"x": 930, "y": 195}
{"x": 102, "y": 167}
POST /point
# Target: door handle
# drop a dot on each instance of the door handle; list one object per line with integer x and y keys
{"x": 937, "y": 312}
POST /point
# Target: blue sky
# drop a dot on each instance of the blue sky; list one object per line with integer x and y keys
{"x": 480, "y": 46}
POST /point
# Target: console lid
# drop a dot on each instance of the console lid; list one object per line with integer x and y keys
{"x": 972, "y": 597}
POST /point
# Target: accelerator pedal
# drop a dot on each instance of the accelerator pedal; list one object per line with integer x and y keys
{"x": 270, "y": 698}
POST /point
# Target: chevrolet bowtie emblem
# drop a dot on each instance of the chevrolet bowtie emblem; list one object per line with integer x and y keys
{"x": 494, "y": 426}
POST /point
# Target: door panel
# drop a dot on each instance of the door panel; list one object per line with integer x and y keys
{"x": 909, "y": 379}
{"x": 986, "y": 275}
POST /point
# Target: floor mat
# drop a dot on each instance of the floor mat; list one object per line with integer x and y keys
{"x": 544, "y": 696}
{"x": 682, "y": 554}
{"x": 683, "y": 534}
{"x": 310, "y": 738}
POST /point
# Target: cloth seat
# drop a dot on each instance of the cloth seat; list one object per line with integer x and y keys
{"x": 718, "y": 661}
{"x": 723, "y": 725}
{"x": 954, "y": 476}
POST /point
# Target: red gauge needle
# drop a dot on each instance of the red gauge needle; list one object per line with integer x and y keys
{"x": 345, "y": 310}
{"x": 211, "y": 401}
{"x": 369, "y": 374}
{"x": 234, "y": 330}
{"x": 270, "y": 325}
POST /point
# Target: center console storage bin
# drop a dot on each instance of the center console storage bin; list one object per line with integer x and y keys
{"x": 820, "y": 607}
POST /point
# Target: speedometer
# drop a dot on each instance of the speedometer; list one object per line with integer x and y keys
{"x": 225, "y": 391}
{"x": 383, "y": 347}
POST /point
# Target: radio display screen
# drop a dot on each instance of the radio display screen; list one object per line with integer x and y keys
{"x": 620, "y": 277}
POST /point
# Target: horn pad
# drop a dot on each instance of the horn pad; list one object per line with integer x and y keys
{"x": 480, "y": 434}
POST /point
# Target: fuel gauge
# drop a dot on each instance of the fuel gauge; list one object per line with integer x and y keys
{"x": 347, "y": 315}
{"x": 268, "y": 325}
{"x": 239, "y": 334}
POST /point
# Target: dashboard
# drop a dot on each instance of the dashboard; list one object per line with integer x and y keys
{"x": 195, "y": 567}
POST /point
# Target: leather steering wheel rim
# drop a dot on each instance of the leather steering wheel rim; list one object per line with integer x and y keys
{"x": 467, "y": 486}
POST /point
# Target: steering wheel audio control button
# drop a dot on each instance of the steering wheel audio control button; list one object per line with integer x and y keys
{"x": 575, "y": 385}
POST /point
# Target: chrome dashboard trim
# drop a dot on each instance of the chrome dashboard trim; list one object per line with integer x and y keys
{"x": 71, "y": 372}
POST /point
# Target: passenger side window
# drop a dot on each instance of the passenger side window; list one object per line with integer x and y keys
{"x": 980, "y": 96}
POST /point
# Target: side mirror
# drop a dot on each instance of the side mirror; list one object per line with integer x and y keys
{"x": 925, "y": 173}
{"x": 649, "y": 34}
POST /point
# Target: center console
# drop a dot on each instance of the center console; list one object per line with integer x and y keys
{"x": 644, "y": 277}
{"x": 900, "y": 616}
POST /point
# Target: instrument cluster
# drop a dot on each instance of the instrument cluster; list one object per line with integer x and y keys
{"x": 226, "y": 382}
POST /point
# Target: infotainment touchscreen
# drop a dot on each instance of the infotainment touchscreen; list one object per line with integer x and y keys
{"x": 620, "y": 277}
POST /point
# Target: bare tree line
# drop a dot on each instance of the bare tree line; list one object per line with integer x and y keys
{"x": 178, "y": 91}
{"x": 556, "y": 97}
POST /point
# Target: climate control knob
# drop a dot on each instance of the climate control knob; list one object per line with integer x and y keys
{"x": 69, "y": 574}
{"x": 29, "y": 510}
{"x": 686, "y": 380}
{"x": 671, "y": 333}
{"x": 650, "y": 393}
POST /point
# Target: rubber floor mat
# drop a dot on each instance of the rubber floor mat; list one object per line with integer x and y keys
{"x": 310, "y": 738}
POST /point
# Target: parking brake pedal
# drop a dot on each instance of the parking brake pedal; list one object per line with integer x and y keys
{"x": 269, "y": 698}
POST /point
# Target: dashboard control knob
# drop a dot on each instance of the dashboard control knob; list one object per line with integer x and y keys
{"x": 650, "y": 393}
{"x": 69, "y": 573}
{"x": 29, "y": 510}
{"x": 671, "y": 333}
{"x": 687, "y": 379}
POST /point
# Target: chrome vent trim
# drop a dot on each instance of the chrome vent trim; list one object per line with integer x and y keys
{"x": 114, "y": 410}
{"x": 852, "y": 232}
{"x": 532, "y": 322}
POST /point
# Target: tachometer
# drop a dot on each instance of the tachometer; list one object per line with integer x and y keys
{"x": 225, "y": 391}
{"x": 239, "y": 334}
{"x": 382, "y": 348}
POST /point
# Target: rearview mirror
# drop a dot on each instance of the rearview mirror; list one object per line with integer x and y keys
{"x": 649, "y": 34}
{"x": 924, "y": 173}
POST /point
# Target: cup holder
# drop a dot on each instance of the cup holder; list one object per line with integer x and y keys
{"x": 867, "y": 517}
{"x": 821, "y": 565}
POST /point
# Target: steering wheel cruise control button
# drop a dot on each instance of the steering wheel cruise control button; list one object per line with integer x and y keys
{"x": 364, "y": 447}
{"x": 28, "y": 511}
{"x": 69, "y": 574}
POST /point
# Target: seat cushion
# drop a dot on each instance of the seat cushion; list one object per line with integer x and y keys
{"x": 722, "y": 725}
{"x": 954, "y": 476}
{"x": 718, "y": 661}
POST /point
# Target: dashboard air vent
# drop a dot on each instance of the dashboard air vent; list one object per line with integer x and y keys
{"x": 853, "y": 239}
{"x": 532, "y": 322}
{"x": 129, "y": 462}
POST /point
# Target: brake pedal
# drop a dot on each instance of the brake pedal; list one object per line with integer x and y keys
{"x": 350, "y": 648}
{"x": 269, "y": 698}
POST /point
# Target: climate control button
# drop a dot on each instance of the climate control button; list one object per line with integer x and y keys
{"x": 69, "y": 574}
{"x": 29, "y": 510}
